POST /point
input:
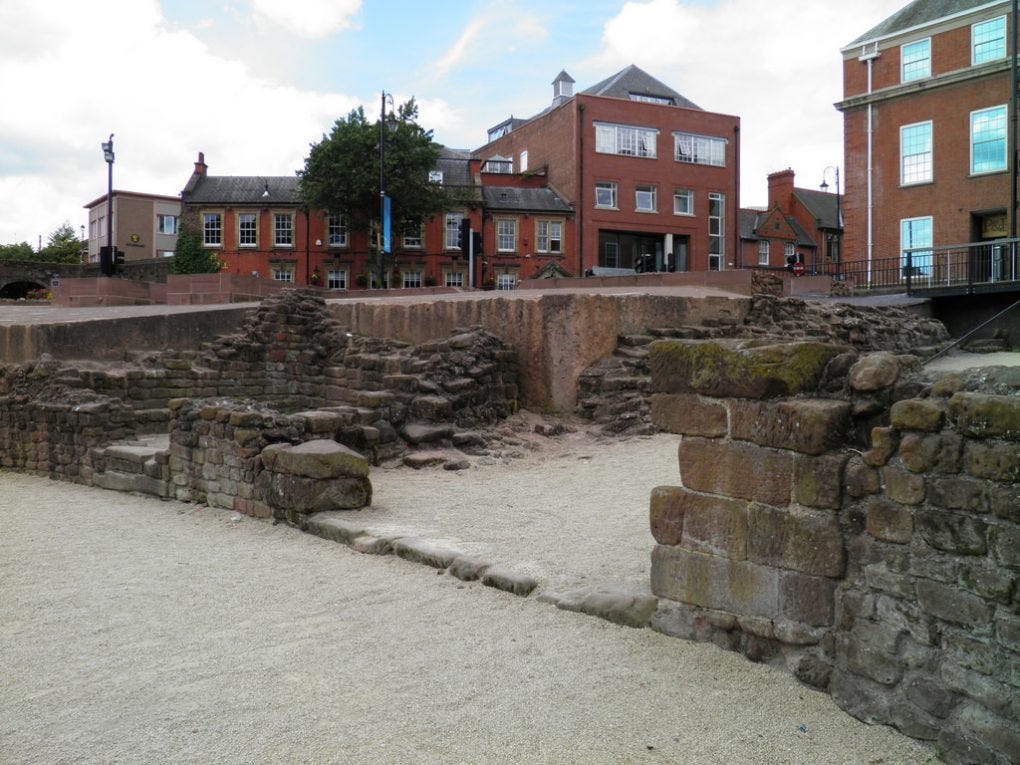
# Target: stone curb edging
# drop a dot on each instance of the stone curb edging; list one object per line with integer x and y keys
{"x": 617, "y": 604}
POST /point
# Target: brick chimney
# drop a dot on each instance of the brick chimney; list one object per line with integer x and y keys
{"x": 200, "y": 167}
{"x": 781, "y": 190}
{"x": 198, "y": 174}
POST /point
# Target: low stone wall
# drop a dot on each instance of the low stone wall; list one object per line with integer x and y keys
{"x": 851, "y": 520}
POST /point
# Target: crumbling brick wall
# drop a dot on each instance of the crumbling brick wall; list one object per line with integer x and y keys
{"x": 854, "y": 521}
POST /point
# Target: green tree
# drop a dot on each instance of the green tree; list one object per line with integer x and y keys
{"x": 190, "y": 257}
{"x": 341, "y": 172}
{"x": 21, "y": 251}
{"x": 62, "y": 246}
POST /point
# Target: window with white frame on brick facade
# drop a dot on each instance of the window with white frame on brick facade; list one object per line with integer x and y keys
{"x": 915, "y": 60}
{"x": 915, "y": 241}
{"x": 916, "y": 153}
{"x": 611, "y": 257}
{"x": 699, "y": 149}
{"x": 283, "y": 273}
{"x": 790, "y": 252}
{"x": 988, "y": 40}
{"x": 549, "y": 236}
{"x": 283, "y": 229}
{"x": 716, "y": 231}
{"x": 411, "y": 279}
{"x": 212, "y": 229}
{"x": 988, "y": 140}
{"x": 683, "y": 202}
{"x": 506, "y": 235}
{"x": 453, "y": 278}
{"x": 645, "y": 198}
{"x": 336, "y": 278}
{"x": 628, "y": 140}
{"x": 453, "y": 230}
{"x": 506, "y": 281}
{"x": 166, "y": 224}
{"x": 412, "y": 235}
{"x": 605, "y": 194}
{"x": 336, "y": 230}
{"x": 247, "y": 230}
{"x": 763, "y": 252}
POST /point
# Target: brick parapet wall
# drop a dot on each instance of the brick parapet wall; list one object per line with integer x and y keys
{"x": 850, "y": 519}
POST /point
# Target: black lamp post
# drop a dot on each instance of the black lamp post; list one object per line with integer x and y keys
{"x": 106, "y": 267}
{"x": 839, "y": 218}
{"x": 382, "y": 184}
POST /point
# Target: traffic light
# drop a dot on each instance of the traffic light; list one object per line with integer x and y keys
{"x": 476, "y": 242}
{"x": 118, "y": 260}
{"x": 106, "y": 266}
{"x": 465, "y": 235}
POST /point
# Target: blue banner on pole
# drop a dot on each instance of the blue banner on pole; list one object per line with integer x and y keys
{"x": 386, "y": 224}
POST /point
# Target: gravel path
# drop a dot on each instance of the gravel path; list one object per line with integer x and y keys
{"x": 139, "y": 631}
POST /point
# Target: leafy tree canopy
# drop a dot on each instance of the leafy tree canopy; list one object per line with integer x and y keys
{"x": 190, "y": 257}
{"x": 19, "y": 251}
{"x": 342, "y": 171}
{"x": 62, "y": 246}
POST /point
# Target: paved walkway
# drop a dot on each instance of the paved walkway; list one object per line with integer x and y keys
{"x": 140, "y": 631}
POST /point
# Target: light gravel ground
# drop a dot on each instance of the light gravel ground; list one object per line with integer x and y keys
{"x": 139, "y": 631}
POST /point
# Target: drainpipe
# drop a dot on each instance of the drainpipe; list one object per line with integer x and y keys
{"x": 579, "y": 226}
{"x": 869, "y": 58}
{"x": 736, "y": 202}
{"x": 1013, "y": 120}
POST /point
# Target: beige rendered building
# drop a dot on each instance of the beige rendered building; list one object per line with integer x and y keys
{"x": 144, "y": 225}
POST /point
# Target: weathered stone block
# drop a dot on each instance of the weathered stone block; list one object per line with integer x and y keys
{"x": 291, "y": 495}
{"x": 666, "y": 513}
{"x": 727, "y": 370}
{"x": 861, "y": 480}
{"x": 883, "y": 446}
{"x": 1002, "y": 736}
{"x": 863, "y": 698}
{"x": 889, "y": 521}
{"x": 818, "y": 481}
{"x": 736, "y": 470}
{"x": 688, "y": 415}
{"x": 939, "y": 453}
{"x": 930, "y": 695}
{"x": 952, "y": 532}
{"x": 959, "y": 493}
{"x": 738, "y": 587}
{"x": 986, "y": 416}
{"x": 799, "y": 540}
{"x": 715, "y": 525}
{"x": 802, "y": 425}
{"x": 1006, "y": 546}
{"x": 880, "y": 578}
{"x": 922, "y": 414}
{"x": 951, "y": 604}
{"x": 1004, "y": 501}
{"x": 997, "y": 460}
{"x": 420, "y": 433}
{"x": 905, "y": 488}
{"x": 320, "y": 458}
{"x": 806, "y": 599}
{"x": 874, "y": 372}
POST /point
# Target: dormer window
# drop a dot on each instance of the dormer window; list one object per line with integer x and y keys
{"x": 436, "y": 176}
{"x": 498, "y": 165}
{"x": 647, "y": 99}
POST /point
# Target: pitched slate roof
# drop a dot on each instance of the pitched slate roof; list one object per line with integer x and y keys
{"x": 636, "y": 81}
{"x": 916, "y": 14}
{"x": 244, "y": 189}
{"x": 513, "y": 199}
{"x": 749, "y": 220}
{"x": 821, "y": 204}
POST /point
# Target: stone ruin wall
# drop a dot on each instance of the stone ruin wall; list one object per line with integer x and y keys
{"x": 852, "y": 520}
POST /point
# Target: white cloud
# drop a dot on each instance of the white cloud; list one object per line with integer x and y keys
{"x": 310, "y": 19}
{"x": 500, "y": 27}
{"x": 163, "y": 93}
{"x": 777, "y": 67}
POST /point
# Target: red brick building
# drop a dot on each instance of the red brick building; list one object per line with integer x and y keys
{"x": 926, "y": 109}
{"x": 645, "y": 170}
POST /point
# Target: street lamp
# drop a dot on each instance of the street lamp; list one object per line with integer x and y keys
{"x": 839, "y": 218}
{"x": 106, "y": 265}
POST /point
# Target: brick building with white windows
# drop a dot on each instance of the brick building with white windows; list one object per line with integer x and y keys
{"x": 926, "y": 110}
{"x": 645, "y": 170}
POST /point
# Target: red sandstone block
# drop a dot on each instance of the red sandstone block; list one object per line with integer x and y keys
{"x": 735, "y": 469}
{"x": 806, "y": 599}
{"x": 715, "y": 525}
{"x": 798, "y": 540}
{"x": 889, "y": 521}
{"x": 738, "y": 587}
{"x": 688, "y": 415}
{"x": 666, "y": 514}
{"x": 802, "y": 425}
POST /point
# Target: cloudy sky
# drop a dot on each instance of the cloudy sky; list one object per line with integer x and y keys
{"x": 253, "y": 82}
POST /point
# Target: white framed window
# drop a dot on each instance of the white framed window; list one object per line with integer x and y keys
{"x": 506, "y": 281}
{"x": 716, "y": 230}
{"x": 212, "y": 229}
{"x": 549, "y": 236}
{"x": 645, "y": 198}
{"x": 412, "y": 235}
{"x": 166, "y": 224}
{"x": 915, "y": 60}
{"x": 915, "y": 153}
{"x": 789, "y": 252}
{"x": 411, "y": 279}
{"x": 646, "y": 99}
{"x": 283, "y": 273}
{"x": 283, "y": 229}
{"x": 699, "y": 149}
{"x": 336, "y": 279}
{"x": 763, "y": 252}
{"x": 247, "y": 230}
{"x": 915, "y": 233}
{"x": 988, "y": 40}
{"x": 336, "y": 230}
{"x": 524, "y": 161}
{"x": 683, "y": 202}
{"x": 453, "y": 278}
{"x": 605, "y": 194}
{"x": 385, "y": 279}
{"x": 611, "y": 257}
{"x": 627, "y": 140}
{"x": 436, "y": 176}
{"x": 500, "y": 165}
{"x": 453, "y": 230}
{"x": 988, "y": 143}
{"x": 506, "y": 235}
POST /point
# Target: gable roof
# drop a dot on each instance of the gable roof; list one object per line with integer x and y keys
{"x": 748, "y": 222}
{"x": 636, "y": 81}
{"x": 822, "y": 206}
{"x": 514, "y": 199}
{"x": 918, "y": 14}
{"x": 244, "y": 189}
